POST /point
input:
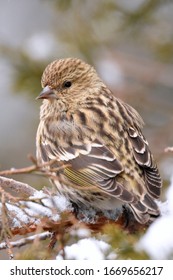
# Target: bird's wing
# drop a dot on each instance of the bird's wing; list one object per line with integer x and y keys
{"x": 145, "y": 160}
{"x": 94, "y": 164}
{"x": 141, "y": 151}
{"x": 91, "y": 164}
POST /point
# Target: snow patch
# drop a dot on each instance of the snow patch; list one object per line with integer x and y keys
{"x": 157, "y": 241}
{"x": 87, "y": 249}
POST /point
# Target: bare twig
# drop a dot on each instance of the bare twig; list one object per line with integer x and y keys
{"x": 29, "y": 169}
{"x": 44, "y": 169}
{"x": 16, "y": 186}
{"x": 5, "y": 232}
{"x": 14, "y": 171}
{"x": 33, "y": 210}
{"x": 168, "y": 149}
{"x": 27, "y": 240}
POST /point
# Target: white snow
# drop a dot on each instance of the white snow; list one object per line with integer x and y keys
{"x": 87, "y": 249}
{"x": 30, "y": 211}
{"x": 81, "y": 232}
{"x": 55, "y": 201}
{"x": 158, "y": 240}
{"x": 18, "y": 216}
{"x": 49, "y": 206}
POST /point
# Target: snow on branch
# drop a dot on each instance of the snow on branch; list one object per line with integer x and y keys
{"x": 20, "y": 188}
{"x": 23, "y": 209}
{"x": 26, "y": 240}
{"x": 33, "y": 211}
{"x": 47, "y": 215}
{"x": 28, "y": 210}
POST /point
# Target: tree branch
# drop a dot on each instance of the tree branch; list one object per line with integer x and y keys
{"x": 16, "y": 186}
{"x": 27, "y": 240}
{"x": 33, "y": 211}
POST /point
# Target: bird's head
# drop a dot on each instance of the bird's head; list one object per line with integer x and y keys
{"x": 67, "y": 79}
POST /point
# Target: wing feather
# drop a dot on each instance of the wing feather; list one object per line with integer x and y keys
{"x": 92, "y": 164}
{"x": 144, "y": 159}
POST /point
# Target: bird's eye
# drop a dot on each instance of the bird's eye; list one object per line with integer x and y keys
{"x": 67, "y": 84}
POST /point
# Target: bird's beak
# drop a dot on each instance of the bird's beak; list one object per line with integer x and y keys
{"x": 46, "y": 93}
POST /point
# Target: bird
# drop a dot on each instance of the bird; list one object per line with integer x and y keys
{"x": 98, "y": 139}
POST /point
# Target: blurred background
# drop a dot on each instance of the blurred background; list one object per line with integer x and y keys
{"x": 129, "y": 42}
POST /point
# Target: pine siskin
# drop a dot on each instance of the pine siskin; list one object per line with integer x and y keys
{"x": 83, "y": 124}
